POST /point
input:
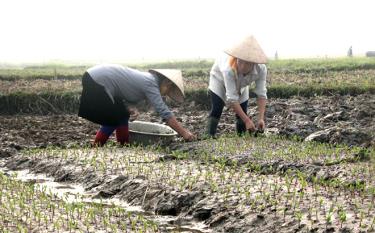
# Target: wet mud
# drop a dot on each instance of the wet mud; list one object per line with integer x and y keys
{"x": 238, "y": 202}
{"x": 337, "y": 119}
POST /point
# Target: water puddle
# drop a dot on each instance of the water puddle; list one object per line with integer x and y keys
{"x": 76, "y": 193}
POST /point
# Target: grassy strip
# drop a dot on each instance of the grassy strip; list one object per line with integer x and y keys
{"x": 287, "y": 91}
{"x": 290, "y": 65}
{"x": 43, "y": 72}
{"x": 43, "y": 103}
{"x": 358, "y": 79}
{"x": 193, "y": 67}
{"x": 199, "y": 96}
{"x": 14, "y": 77}
{"x": 321, "y": 65}
{"x": 68, "y": 102}
{"x": 66, "y": 74}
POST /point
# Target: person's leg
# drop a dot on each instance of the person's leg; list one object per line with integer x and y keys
{"x": 217, "y": 105}
{"x": 85, "y": 98}
{"x": 96, "y": 105}
{"x": 103, "y": 134}
{"x": 240, "y": 125}
{"x": 122, "y": 131}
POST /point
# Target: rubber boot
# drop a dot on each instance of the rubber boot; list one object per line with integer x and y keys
{"x": 100, "y": 138}
{"x": 212, "y": 126}
{"x": 122, "y": 134}
{"x": 103, "y": 134}
{"x": 240, "y": 126}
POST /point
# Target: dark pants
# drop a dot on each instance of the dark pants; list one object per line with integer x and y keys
{"x": 96, "y": 106}
{"x": 217, "y": 105}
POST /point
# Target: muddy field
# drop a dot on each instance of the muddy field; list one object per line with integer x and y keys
{"x": 249, "y": 184}
{"x": 337, "y": 119}
{"x": 226, "y": 185}
{"x": 311, "y": 171}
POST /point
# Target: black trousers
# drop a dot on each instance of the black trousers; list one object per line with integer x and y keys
{"x": 217, "y": 105}
{"x": 96, "y": 106}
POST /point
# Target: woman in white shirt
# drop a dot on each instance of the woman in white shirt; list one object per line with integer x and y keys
{"x": 230, "y": 77}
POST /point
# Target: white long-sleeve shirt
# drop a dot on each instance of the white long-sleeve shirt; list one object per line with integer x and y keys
{"x": 223, "y": 82}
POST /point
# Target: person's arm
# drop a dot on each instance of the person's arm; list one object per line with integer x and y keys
{"x": 261, "y": 92}
{"x": 233, "y": 97}
{"x": 261, "y": 109}
{"x": 185, "y": 133}
{"x": 244, "y": 117}
{"x": 238, "y": 110}
{"x": 153, "y": 95}
{"x": 133, "y": 113}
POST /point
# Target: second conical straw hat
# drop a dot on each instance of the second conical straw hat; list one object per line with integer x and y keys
{"x": 249, "y": 50}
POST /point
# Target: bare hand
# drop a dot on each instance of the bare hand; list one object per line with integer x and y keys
{"x": 250, "y": 125}
{"x": 188, "y": 136}
{"x": 261, "y": 124}
{"x": 133, "y": 114}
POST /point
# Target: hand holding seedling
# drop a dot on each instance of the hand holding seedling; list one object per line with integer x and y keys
{"x": 261, "y": 125}
{"x": 250, "y": 126}
{"x": 188, "y": 136}
{"x": 133, "y": 114}
{"x": 185, "y": 133}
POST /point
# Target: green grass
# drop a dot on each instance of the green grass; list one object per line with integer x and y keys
{"x": 42, "y": 73}
{"x": 56, "y": 87}
{"x": 190, "y": 67}
{"x": 321, "y": 64}
{"x": 41, "y": 103}
{"x": 64, "y": 101}
{"x": 287, "y": 91}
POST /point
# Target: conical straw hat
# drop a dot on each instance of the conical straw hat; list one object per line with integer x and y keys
{"x": 175, "y": 76}
{"x": 249, "y": 50}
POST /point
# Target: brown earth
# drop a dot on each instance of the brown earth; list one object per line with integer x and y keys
{"x": 336, "y": 119}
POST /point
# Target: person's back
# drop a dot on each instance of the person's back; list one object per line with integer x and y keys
{"x": 122, "y": 82}
{"x": 109, "y": 90}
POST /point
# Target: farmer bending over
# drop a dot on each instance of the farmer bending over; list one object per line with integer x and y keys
{"x": 230, "y": 77}
{"x": 109, "y": 90}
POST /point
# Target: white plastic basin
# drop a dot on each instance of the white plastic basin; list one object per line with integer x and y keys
{"x": 142, "y": 132}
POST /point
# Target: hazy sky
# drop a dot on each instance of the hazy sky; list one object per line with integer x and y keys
{"x": 114, "y": 30}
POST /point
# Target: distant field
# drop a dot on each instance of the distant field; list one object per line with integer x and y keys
{"x": 198, "y": 67}
{"x": 285, "y": 78}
